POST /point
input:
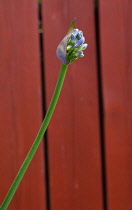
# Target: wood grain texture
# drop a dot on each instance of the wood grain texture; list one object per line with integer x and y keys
{"x": 20, "y": 102}
{"x": 116, "y": 59}
{"x": 73, "y": 135}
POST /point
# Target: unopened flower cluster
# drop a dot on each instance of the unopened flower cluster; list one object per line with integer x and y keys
{"x": 75, "y": 46}
{"x": 72, "y": 45}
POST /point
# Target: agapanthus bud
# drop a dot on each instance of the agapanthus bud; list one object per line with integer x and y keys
{"x": 83, "y": 47}
{"x": 79, "y": 54}
{"x": 75, "y": 32}
{"x": 70, "y": 48}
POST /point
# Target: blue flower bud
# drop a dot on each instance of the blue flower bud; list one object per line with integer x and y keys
{"x": 79, "y": 42}
{"x": 72, "y": 38}
{"x": 82, "y": 55}
{"x": 83, "y": 47}
{"x": 80, "y": 35}
{"x": 75, "y": 32}
{"x": 79, "y": 54}
{"x": 70, "y": 48}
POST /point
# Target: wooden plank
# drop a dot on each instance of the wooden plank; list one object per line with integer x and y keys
{"x": 73, "y": 135}
{"x": 20, "y": 102}
{"x": 116, "y": 52}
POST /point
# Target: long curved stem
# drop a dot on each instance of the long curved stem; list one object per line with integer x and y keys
{"x": 38, "y": 139}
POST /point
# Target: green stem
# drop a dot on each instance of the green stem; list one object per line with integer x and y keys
{"x": 38, "y": 139}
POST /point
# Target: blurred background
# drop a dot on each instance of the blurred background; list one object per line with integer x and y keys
{"x": 85, "y": 159}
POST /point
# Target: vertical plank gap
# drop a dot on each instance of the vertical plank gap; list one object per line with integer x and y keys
{"x": 101, "y": 108}
{"x": 46, "y": 161}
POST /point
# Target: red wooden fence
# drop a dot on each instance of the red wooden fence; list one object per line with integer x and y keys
{"x": 85, "y": 170}
{"x": 116, "y": 54}
{"x": 20, "y": 102}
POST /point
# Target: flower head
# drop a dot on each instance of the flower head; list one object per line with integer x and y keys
{"x": 72, "y": 45}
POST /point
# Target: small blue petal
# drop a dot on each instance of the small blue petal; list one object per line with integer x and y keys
{"x": 79, "y": 42}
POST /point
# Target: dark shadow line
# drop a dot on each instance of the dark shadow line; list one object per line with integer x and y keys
{"x": 45, "y": 142}
{"x": 101, "y": 107}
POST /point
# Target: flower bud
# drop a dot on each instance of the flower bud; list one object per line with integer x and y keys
{"x": 70, "y": 48}
{"x": 83, "y": 47}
